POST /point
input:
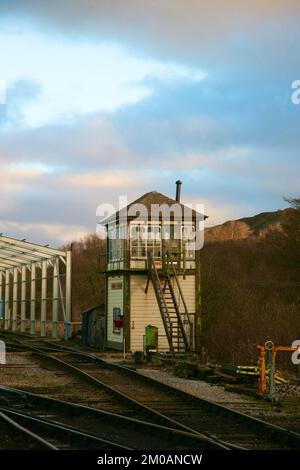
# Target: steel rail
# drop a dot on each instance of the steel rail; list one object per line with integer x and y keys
{"x": 69, "y": 434}
{"x": 26, "y": 432}
{"x": 103, "y": 420}
{"x": 276, "y": 433}
{"x": 155, "y": 415}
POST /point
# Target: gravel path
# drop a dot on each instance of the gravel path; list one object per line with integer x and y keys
{"x": 286, "y": 414}
{"x": 197, "y": 388}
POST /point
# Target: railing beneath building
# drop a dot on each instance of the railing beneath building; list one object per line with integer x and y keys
{"x": 179, "y": 260}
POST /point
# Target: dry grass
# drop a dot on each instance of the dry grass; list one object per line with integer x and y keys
{"x": 248, "y": 296}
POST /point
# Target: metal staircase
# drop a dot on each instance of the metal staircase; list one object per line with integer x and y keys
{"x": 177, "y": 323}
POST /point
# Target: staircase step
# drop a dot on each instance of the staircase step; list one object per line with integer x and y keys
{"x": 169, "y": 309}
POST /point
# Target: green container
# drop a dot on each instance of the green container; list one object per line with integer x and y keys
{"x": 151, "y": 334}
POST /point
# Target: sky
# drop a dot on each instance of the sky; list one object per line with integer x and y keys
{"x": 109, "y": 98}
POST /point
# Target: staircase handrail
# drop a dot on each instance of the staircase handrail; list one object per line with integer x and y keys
{"x": 155, "y": 279}
{"x": 186, "y": 312}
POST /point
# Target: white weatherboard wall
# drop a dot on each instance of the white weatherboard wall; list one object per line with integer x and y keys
{"x": 188, "y": 286}
{"x": 114, "y": 300}
{"x": 144, "y": 309}
{"x": 188, "y": 289}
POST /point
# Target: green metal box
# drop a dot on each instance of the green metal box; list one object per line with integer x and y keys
{"x": 151, "y": 334}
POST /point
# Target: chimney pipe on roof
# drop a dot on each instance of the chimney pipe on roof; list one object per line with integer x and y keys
{"x": 178, "y": 190}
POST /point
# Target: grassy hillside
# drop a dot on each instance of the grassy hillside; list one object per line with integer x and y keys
{"x": 248, "y": 295}
{"x": 258, "y": 226}
{"x": 251, "y": 284}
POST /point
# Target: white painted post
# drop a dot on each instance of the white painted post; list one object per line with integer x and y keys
{"x": 55, "y": 299}
{"x": 15, "y": 300}
{"x": 2, "y": 353}
{"x": 44, "y": 298}
{"x": 23, "y": 299}
{"x": 7, "y": 310}
{"x": 32, "y": 299}
{"x": 68, "y": 320}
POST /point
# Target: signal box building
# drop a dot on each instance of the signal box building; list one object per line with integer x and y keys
{"x": 153, "y": 274}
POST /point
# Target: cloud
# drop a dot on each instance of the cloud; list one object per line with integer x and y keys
{"x": 118, "y": 180}
{"x": 216, "y": 33}
{"x": 230, "y": 133}
{"x": 76, "y": 78}
{"x": 65, "y": 171}
{"x": 18, "y": 95}
{"x": 54, "y": 234}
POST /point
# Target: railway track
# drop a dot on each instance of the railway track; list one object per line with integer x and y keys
{"x": 70, "y": 426}
{"x": 109, "y": 397}
{"x": 172, "y": 407}
{"x": 15, "y": 436}
{"x": 103, "y": 397}
{"x": 58, "y": 436}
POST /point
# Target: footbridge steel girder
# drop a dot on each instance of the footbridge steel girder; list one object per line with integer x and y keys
{"x": 35, "y": 288}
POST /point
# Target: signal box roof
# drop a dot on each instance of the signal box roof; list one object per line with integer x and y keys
{"x": 148, "y": 200}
